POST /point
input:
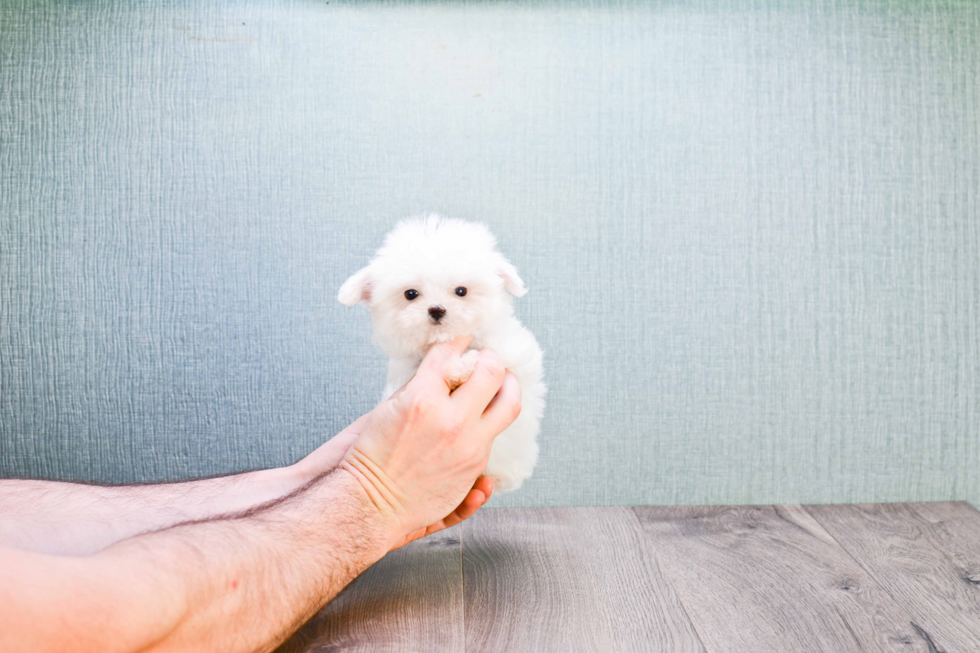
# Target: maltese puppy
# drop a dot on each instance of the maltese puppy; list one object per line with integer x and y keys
{"x": 435, "y": 279}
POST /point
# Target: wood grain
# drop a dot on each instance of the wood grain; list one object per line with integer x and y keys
{"x": 893, "y": 577}
{"x": 411, "y": 600}
{"x": 949, "y": 511}
{"x": 955, "y": 530}
{"x": 926, "y": 556}
{"x": 771, "y": 579}
{"x": 567, "y": 579}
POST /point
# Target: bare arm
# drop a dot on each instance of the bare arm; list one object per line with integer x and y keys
{"x": 239, "y": 583}
{"x": 243, "y": 582}
{"x": 77, "y": 519}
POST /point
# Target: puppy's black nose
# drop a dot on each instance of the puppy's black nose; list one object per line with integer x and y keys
{"x": 436, "y": 313}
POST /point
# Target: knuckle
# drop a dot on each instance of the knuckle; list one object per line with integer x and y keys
{"x": 419, "y": 405}
{"x": 452, "y": 429}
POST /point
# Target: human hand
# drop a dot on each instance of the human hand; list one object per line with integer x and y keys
{"x": 475, "y": 499}
{"x": 328, "y": 455}
{"x": 419, "y": 453}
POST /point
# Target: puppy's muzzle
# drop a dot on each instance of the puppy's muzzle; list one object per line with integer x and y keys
{"x": 436, "y": 313}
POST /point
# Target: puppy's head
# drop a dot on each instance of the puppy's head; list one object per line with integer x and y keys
{"x": 432, "y": 280}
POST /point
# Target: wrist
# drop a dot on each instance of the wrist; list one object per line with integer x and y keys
{"x": 377, "y": 511}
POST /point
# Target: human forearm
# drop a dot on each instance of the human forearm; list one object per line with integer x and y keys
{"x": 238, "y": 583}
{"x": 261, "y": 574}
{"x": 76, "y": 519}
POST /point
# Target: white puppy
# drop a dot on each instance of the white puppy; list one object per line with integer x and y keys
{"x": 438, "y": 278}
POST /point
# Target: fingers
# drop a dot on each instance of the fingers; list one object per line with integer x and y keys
{"x": 433, "y": 367}
{"x": 484, "y": 484}
{"x": 505, "y": 405}
{"x": 474, "y": 500}
{"x": 483, "y": 384}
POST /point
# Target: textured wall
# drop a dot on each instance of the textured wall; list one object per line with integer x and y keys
{"x": 750, "y": 230}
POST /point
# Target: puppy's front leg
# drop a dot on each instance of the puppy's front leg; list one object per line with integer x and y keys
{"x": 461, "y": 368}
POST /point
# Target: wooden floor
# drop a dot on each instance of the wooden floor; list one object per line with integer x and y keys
{"x": 887, "y": 577}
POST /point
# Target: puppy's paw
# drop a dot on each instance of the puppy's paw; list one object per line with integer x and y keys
{"x": 460, "y": 369}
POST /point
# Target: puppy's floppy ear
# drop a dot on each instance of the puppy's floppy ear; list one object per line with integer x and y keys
{"x": 512, "y": 282}
{"x": 357, "y": 288}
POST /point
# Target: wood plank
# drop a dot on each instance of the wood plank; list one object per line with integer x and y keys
{"x": 956, "y": 532}
{"x": 953, "y": 527}
{"x": 410, "y": 600}
{"x": 944, "y": 511}
{"x": 567, "y": 579}
{"x": 771, "y": 579}
{"x": 930, "y": 563}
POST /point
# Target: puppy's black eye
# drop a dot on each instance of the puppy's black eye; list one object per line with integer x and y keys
{"x": 461, "y": 291}
{"x": 411, "y": 294}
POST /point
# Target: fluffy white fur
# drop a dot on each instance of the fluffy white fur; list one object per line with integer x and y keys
{"x": 434, "y": 256}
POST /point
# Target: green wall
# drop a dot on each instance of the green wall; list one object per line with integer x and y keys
{"x": 750, "y": 231}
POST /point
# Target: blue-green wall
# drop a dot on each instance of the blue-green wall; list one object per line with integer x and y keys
{"x": 750, "y": 229}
